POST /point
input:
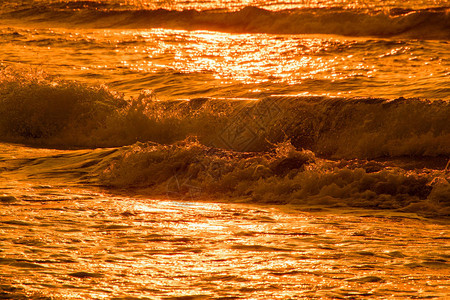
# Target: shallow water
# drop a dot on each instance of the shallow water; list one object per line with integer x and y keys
{"x": 64, "y": 238}
{"x": 100, "y": 246}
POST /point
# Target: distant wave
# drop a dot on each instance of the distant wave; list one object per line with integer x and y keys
{"x": 38, "y": 109}
{"x": 430, "y": 23}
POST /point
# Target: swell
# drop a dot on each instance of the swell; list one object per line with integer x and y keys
{"x": 430, "y": 23}
{"x": 38, "y": 109}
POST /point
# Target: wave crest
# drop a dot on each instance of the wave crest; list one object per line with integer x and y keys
{"x": 38, "y": 109}
{"x": 333, "y": 127}
{"x": 36, "y": 106}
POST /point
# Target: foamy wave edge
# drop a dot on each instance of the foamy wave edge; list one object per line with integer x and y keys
{"x": 430, "y": 23}
{"x": 188, "y": 171}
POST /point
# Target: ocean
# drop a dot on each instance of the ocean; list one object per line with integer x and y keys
{"x": 224, "y": 149}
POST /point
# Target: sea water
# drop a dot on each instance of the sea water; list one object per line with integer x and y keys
{"x": 224, "y": 149}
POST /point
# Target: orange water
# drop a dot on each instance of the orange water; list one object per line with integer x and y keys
{"x": 93, "y": 73}
{"x": 62, "y": 237}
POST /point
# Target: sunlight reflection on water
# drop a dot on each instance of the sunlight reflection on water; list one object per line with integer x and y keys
{"x": 117, "y": 247}
{"x": 268, "y": 4}
{"x": 183, "y": 64}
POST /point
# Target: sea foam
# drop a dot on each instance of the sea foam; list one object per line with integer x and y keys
{"x": 285, "y": 175}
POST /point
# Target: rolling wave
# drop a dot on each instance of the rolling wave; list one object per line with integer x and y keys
{"x": 430, "y": 23}
{"x": 38, "y": 109}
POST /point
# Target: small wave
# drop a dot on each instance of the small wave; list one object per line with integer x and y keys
{"x": 283, "y": 176}
{"x": 38, "y": 109}
{"x": 430, "y": 23}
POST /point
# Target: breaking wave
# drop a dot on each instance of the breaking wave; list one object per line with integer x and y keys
{"x": 38, "y": 109}
{"x": 432, "y": 23}
{"x": 189, "y": 170}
